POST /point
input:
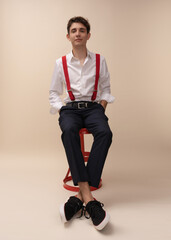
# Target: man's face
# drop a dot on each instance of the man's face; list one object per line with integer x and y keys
{"x": 78, "y": 35}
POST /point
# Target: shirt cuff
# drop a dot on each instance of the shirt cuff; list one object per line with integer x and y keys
{"x": 107, "y": 97}
{"x": 55, "y": 109}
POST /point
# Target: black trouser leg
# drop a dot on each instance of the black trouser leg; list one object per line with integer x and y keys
{"x": 97, "y": 123}
{"x": 70, "y": 123}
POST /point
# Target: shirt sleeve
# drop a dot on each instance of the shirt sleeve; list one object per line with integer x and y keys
{"x": 56, "y": 89}
{"x": 104, "y": 83}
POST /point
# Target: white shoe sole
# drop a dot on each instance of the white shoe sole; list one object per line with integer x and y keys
{"x": 103, "y": 223}
{"x": 62, "y": 213}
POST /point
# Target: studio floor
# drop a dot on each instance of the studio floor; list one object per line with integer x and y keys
{"x": 136, "y": 192}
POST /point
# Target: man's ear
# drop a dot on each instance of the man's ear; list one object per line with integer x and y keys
{"x": 89, "y": 35}
{"x": 68, "y": 37}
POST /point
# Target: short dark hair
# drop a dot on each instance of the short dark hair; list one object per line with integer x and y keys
{"x": 79, "y": 19}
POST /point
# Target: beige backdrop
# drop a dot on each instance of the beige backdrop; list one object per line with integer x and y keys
{"x": 133, "y": 35}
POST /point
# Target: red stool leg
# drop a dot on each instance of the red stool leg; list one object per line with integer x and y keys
{"x": 86, "y": 156}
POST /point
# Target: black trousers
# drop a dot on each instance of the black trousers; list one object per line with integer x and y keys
{"x": 71, "y": 120}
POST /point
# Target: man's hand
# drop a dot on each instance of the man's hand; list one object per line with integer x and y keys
{"x": 103, "y": 103}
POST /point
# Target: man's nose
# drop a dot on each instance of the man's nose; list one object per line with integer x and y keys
{"x": 78, "y": 33}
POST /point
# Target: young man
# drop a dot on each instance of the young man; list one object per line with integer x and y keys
{"x": 85, "y": 106}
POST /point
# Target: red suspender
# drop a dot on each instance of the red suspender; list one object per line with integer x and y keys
{"x": 64, "y": 62}
{"x": 97, "y": 77}
{"x": 65, "y": 68}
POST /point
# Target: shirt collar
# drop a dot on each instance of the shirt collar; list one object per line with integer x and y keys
{"x": 71, "y": 56}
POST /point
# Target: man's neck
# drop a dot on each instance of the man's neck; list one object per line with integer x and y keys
{"x": 80, "y": 54}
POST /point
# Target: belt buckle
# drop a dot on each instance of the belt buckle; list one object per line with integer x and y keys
{"x": 82, "y": 103}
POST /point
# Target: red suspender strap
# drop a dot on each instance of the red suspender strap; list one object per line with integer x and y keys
{"x": 97, "y": 77}
{"x": 64, "y": 62}
{"x": 65, "y": 68}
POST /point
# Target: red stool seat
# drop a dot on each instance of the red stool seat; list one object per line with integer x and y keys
{"x": 86, "y": 156}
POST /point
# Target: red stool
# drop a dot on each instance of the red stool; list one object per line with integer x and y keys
{"x": 86, "y": 156}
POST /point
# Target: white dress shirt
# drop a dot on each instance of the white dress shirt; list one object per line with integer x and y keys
{"x": 82, "y": 81}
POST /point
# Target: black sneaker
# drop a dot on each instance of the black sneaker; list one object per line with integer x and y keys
{"x": 99, "y": 217}
{"x": 70, "y": 208}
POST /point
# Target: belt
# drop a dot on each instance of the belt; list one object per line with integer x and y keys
{"x": 81, "y": 105}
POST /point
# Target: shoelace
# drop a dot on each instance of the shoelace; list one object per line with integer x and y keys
{"x": 96, "y": 205}
{"x": 95, "y": 208}
{"x": 83, "y": 211}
